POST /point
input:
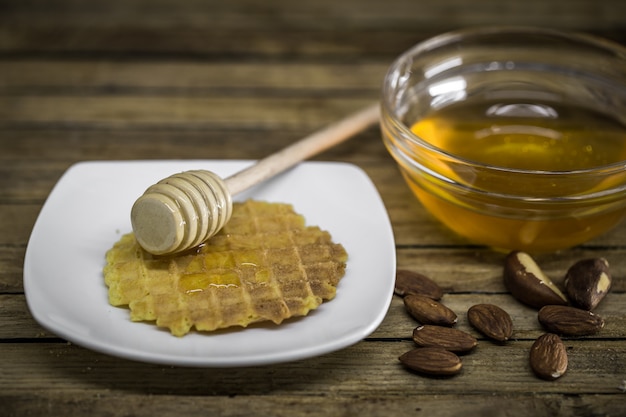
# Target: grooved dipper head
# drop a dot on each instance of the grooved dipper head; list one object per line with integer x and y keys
{"x": 181, "y": 212}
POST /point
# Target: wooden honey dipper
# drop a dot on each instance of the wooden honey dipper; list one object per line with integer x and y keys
{"x": 186, "y": 209}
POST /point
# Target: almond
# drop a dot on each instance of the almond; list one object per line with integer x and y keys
{"x": 527, "y": 282}
{"x": 428, "y": 311}
{"x": 409, "y": 282}
{"x": 432, "y": 361}
{"x": 587, "y": 282}
{"x": 548, "y": 357}
{"x": 447, "y": 338}
{"x": 570, "y": 321}
{"x": 491, "y": 320}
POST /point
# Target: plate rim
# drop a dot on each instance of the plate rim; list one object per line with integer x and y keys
{"x": 133, "y": 353}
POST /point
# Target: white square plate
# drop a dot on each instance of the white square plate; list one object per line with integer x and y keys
{"x": 89, "y": 210}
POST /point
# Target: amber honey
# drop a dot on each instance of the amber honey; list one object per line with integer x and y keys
{"x": 552, "y": 152}
{"x": 513, "y": 137}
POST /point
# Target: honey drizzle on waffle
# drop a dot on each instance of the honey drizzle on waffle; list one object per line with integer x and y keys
{"x": 264, "y": 265}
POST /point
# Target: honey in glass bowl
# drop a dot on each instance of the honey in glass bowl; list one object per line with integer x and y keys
{"x": 512, "y": 137}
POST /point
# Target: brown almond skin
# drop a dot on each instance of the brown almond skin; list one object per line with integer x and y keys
{"x": 548, "y": 357}
{"x": 570, "y": 321}
{"x": 409, "y": 282}
{"x": 587, "y": 282}
{"x": 491, "y": 320}
{"x": 528, "y": 284}
{"x": 446, "y": 338}
{"x": 429, "y": 311}
{"x": 432, "y": 361}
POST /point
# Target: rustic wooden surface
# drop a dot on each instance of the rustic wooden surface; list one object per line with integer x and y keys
{"x": 166, "y": 79}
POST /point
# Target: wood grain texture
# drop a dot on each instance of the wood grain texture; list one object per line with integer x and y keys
{"x": 362, "y": 369}
{"x": 204, "y": 79}
{"x": 138, "y": 404}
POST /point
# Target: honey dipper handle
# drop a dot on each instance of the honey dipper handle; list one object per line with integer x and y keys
{"x": 187, "y": 208}
{"x": 305, "y": 148}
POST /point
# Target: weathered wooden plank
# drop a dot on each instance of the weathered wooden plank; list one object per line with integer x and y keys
{"x": 17, "y": 224}
{"x": 178, "y": 111}
{"x": 207, "y": 43}
{"x": 369, "y": 368}
{"x": 75, "y": 404}
{"x": 189, "y": 77}
{"x": 11, "y": 265}
{"x": 321, "y": 14}
{"x": 329, "y": 30}
{"x": 47, "y": 152}
{"x": 77, "y": 40}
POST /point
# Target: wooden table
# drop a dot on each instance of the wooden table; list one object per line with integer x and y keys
{"x": 139, "y": 79}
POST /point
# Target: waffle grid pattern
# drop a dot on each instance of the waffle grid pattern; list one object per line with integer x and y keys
{"x": 264, "y": 265}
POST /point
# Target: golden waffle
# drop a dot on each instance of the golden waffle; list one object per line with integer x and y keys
{"x": 264, "y": 265}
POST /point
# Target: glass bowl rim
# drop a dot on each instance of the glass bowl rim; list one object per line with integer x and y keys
{"x": 387, "y": 113}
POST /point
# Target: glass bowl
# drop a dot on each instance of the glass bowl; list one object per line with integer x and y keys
{"x": 514, "y": 138}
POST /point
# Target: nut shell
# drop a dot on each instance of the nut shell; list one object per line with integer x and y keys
{"x": 527, "y": 282}
{"x": 570, "y": 321}
{"x": 447, "y": 338}
{"x": 548, "y": 357}
{"x": 409, "y": 282}
{"x": 429, "y": 311}
{"x": 587, "y": 282}
{"x": 491, "y": 320}
{"x": 432, "y": 361}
